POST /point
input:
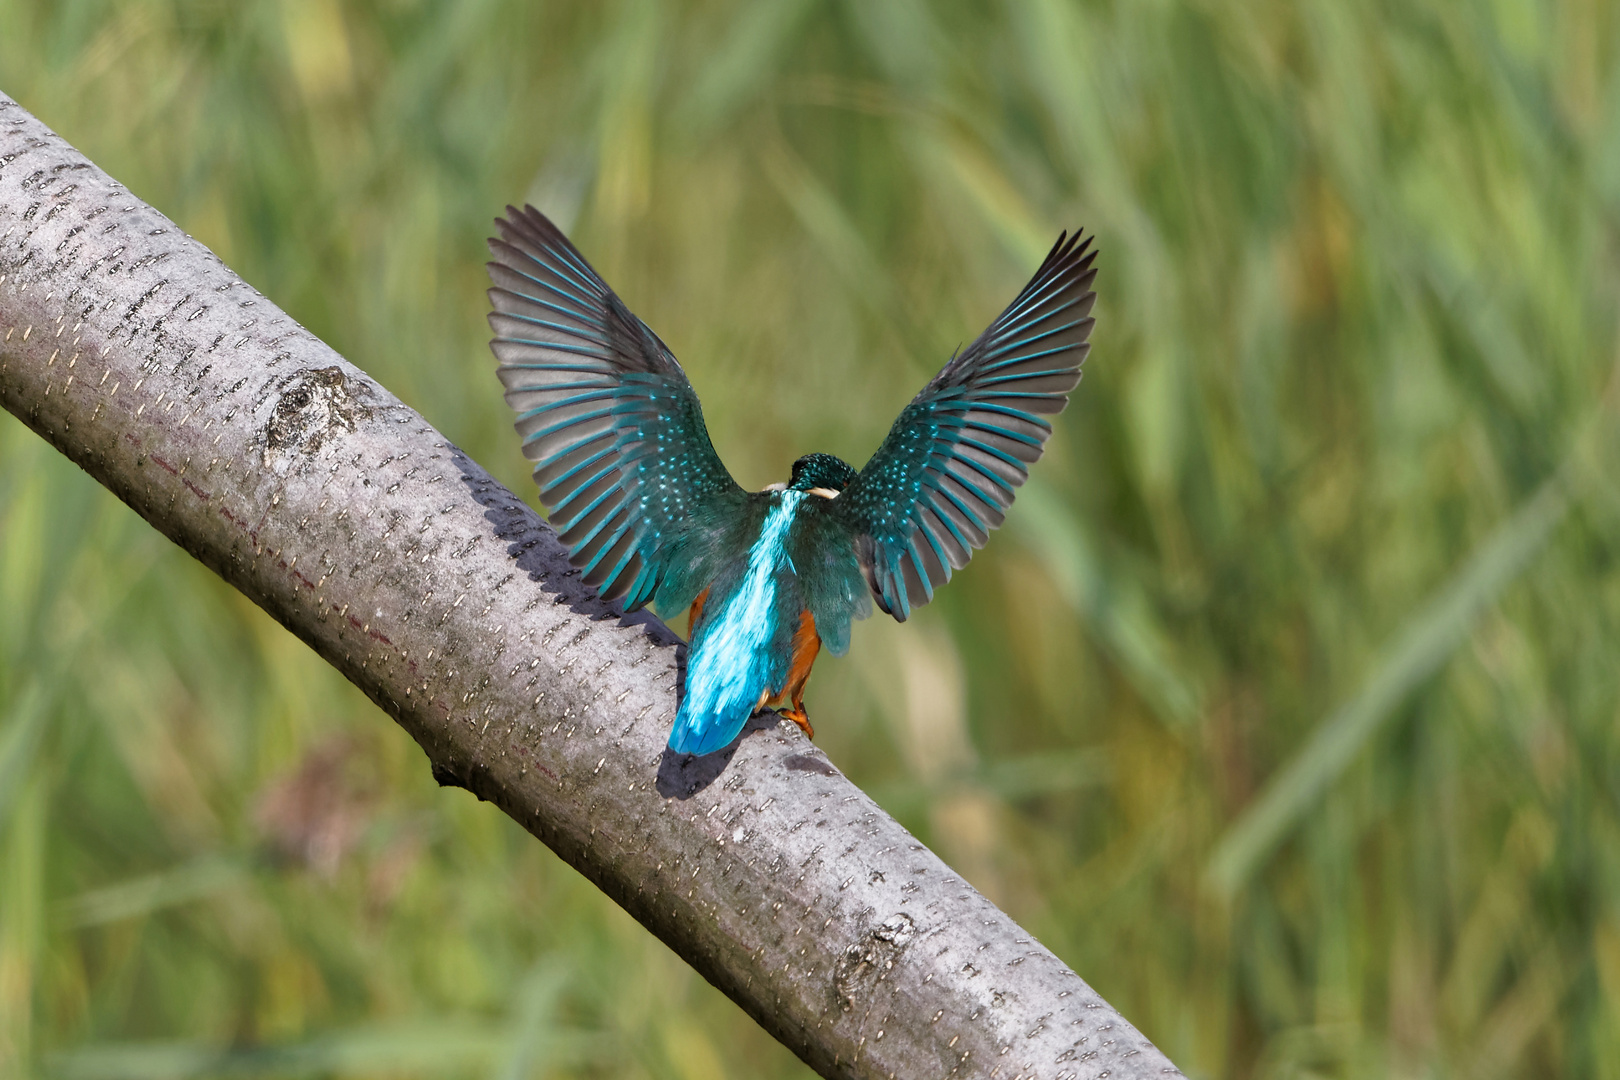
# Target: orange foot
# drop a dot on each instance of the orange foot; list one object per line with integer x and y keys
{"x": 798, "y": 717}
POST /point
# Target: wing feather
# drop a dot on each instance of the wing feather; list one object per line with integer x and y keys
{"x": 622, "y": 456}
{"x": 952, "y": 462}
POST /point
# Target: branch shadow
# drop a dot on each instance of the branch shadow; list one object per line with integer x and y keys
{"x": 681, "y": 776}
{"x": 534, "y": 548}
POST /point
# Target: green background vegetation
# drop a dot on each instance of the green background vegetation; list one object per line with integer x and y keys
{"x": 1286, "y": 708}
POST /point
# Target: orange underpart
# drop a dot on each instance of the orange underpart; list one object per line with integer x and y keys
{"x": 697, "y": 609}
{"x": 806, "y": 644}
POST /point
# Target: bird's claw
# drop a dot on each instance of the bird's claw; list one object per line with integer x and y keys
{"x": 798, "y": 717}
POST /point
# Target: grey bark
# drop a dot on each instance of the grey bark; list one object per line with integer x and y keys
{"x": 282, "y": 467}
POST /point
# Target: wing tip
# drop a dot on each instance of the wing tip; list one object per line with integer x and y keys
{"x": 529, "y": 226}
{"x": 1072, "y": 250}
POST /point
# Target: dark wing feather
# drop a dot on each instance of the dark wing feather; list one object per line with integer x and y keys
{"x": 614, "y": 428}
{"x": 952, "y": 461}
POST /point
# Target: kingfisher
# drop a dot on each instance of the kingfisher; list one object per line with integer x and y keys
{"x": 632, "y": 484}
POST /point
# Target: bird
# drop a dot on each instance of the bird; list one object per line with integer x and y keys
{"x": 649, "y": 514}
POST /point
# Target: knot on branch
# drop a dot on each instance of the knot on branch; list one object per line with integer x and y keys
{"x": 871, "y": 958}
{"x": 313, "y": 406}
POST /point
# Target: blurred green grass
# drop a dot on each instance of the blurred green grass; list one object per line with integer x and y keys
{"x": 1286, "y": 709}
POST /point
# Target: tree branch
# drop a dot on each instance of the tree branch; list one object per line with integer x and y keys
{"x": 346, "y": 516}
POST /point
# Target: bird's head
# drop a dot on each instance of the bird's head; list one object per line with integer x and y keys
{"x": 821, "y": 473}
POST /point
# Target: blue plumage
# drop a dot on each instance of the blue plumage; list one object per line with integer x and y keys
{"x": 633, "y": 485}
{"x": 731, "y": 662}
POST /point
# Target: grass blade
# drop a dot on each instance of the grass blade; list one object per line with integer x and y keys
{"x": 1417, "y": 653}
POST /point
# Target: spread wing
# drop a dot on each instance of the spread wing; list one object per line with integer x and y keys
{"x": 952, "y": 461}
{"x": 607, "y": 415}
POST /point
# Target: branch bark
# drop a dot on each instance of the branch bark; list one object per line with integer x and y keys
{"x": 134, "y": 351}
